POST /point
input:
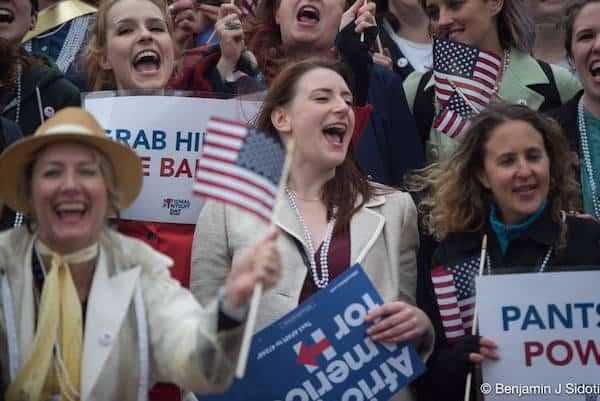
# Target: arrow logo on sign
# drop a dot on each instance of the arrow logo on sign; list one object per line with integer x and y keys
{"x": 307, "y": 355}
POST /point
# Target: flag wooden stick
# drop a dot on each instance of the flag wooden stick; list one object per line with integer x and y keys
{"x": 257, "y": 291}
{"x": 474, "y": 328}
{"x": 362, "y": 35}
{"x": 463, "y": 96}
{"x": 379, "y": 45}
{"x": 212, "y": 35}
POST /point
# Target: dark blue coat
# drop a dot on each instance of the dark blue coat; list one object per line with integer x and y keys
{"x": 389, "y": 146}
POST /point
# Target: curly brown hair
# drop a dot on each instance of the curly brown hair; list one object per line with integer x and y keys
{"x": 456, "y": 201}
{"x": 99, "y": 78}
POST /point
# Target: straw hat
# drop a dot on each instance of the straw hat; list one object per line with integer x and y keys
{"x": 71, "y": 124}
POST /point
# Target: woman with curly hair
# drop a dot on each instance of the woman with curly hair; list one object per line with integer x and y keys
{"x": 511, "y": 180}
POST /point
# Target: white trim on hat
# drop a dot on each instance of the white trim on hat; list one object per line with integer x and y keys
{"x": 68, "y": 129}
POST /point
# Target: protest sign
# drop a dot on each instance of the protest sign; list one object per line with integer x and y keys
{"x": 319, "y": 351}
{"x": 547, "y": 329}
{"x": 167, "y": 133}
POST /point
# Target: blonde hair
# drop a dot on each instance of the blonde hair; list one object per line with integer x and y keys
{"x": 99, "y": 78}
{"x": 456, "y": 201}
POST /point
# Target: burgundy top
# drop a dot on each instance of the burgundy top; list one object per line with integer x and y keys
{"x": 338, "y": 261}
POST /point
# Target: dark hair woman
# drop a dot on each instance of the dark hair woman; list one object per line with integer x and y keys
{"x": 331, "y": 216}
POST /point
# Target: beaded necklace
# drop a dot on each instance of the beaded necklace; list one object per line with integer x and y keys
{"x": 503, "y": 69}
{"x": 320, "y": 282}
{"x": 19, "y": 92}
{"x": 541, "y": 269}
{"x": 18, "y": 216}
{"x": 72, "y": 43}
{"x": 587, "y": 158}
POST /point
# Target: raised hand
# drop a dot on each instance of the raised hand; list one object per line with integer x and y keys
{"x": 362, "y": 14}
{"x": 183, "y": 13}
{"x": 231, "y": 38}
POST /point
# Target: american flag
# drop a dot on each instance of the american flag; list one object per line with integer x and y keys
{"x": 454, "y": 118}
{"x": 472, "y": 71}
{"x": 454, "y": 289}
{"x": 241, "y": 166}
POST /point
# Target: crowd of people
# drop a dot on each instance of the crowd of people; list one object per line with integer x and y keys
{"x": 99, "y": 307}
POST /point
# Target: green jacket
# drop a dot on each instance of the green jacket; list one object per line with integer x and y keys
{"x": 55, "y": 93}
{"x": 523, "y": 83}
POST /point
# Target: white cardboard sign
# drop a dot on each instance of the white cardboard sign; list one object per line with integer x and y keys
{"x": 167, "y": 133}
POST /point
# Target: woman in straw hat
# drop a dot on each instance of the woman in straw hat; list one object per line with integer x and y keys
{"x": 86, "y": 312}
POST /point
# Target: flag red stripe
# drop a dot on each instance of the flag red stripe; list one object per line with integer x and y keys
{"x": 486, "y": 72}
{"x": 213, "y": 131}
{"x": 209, "y": 156}
{"x": 488, "y": 62}
{"x": 234, "y": 190}
{"x": 208, "y": 142}
{"x": 491, "y": 55}
{"x": 227, "y": 174}
{"x": 453, "y": 328}
{"x": 446, "y": 296}
{"x": 462, "y": 85}
{"x": 227, "y": 121}
{"x": 448, "y": 306}
{"x": 458, "y": 130}
{"x": 494, "y": 63}
{"x": 460, "y": 82}
{"x": 452, "y": 317}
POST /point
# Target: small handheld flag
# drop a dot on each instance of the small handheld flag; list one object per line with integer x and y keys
{"x": 454, "y": 288}
{"x": 241, "y": 166}
{"x": 465, "y": 80}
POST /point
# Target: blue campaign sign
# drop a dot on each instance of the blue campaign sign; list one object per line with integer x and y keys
{"x": 320, "y": 351}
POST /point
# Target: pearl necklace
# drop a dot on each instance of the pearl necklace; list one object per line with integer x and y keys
{"x": 324, "y": 279}
{"x": 72, "y": 43}
{"x": 540, "y": 270}
{"x": 503, "y": 68}
{"x": 587, "y": 158}
{"x": 19, "y": 92}
{"x": 19, "y": 218}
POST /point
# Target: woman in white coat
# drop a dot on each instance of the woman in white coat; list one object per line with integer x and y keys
{"x": 87, "y": 313}
{"x": 331, "y": 216}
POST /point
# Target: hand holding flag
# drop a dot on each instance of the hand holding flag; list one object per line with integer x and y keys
{"x": 247, "y": 168}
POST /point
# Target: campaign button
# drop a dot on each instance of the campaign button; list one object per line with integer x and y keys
{"x": 49, "y": 111}
{"x": 402, "y": 62}
{"x": 106, "y": 339}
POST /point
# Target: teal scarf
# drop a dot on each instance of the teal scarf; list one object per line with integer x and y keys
{"x": 508, "y": 232}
